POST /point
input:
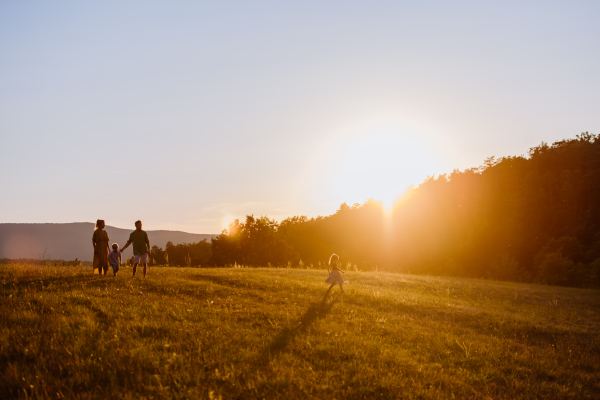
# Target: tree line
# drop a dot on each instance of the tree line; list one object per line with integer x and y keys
{"x": 533, "y": 218}
{"x": 183, "y": 255}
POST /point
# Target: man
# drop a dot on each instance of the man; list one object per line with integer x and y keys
{"x": 141, "y": 247}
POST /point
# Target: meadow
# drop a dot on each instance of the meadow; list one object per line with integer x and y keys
{"x": 275, "y": 334}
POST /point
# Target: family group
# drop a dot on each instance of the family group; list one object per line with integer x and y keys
{"x": 141, "y": 250}
{"x": 103, "y": 256}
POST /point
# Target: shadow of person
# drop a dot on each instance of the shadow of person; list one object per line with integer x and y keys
{"x": 314, "y": 312}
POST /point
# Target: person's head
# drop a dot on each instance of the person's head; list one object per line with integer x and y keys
{"x": 100, "y": 224}
{"x": 333, "y": 259}
{"x": 138, "y": 225}
{"x": 115, "y": 247}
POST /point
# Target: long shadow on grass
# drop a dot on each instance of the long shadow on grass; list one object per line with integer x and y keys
{"x": 314, "y": 312}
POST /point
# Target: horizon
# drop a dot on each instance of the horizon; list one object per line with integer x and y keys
{"x": 188, "y": 116}
{"x": 107, "y": 225}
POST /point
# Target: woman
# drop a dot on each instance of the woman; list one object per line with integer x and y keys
{"x": 101, "y": 249}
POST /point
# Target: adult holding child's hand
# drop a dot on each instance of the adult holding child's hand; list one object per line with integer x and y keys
{"x": 141, "y": 247}
{"x": 101, "y": 249}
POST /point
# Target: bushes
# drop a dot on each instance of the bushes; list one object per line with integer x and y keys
{"x": 506, "y": 268}
{"x": 555, "y": 269}
{"x": 190, "y": 254}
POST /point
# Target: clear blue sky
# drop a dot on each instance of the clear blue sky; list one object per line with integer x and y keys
{"x": 189, "y": 114}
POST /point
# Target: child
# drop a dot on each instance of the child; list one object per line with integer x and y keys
{"x": 334, "y": 273}
{"x": 114, "y": 258}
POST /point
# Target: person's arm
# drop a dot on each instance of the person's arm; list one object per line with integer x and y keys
{"x": 126, "y": 246}
{"x": 94, "y": 242}
{"x": 148, "y": 243}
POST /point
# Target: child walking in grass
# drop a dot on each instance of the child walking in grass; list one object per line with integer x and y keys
{"x": 114, "y": 259}
{"x": 335, "y": 273}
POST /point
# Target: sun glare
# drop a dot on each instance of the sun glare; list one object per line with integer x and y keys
{"x": 382, "y": 165}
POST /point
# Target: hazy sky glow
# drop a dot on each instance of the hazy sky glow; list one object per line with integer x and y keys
{"x": 190, "y": 114}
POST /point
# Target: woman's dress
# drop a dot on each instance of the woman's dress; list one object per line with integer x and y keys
{"x": 100, "y": 240}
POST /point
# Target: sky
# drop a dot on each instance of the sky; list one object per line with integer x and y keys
{"x": 187, "y": 115}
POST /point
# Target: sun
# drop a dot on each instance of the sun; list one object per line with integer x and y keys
{"x": 382, "y": 165}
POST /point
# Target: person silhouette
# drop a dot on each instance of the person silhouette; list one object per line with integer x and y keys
{"x": 335, "y": 273}
{"x": 100, "y": 242}
{"x": 141, "y": 247}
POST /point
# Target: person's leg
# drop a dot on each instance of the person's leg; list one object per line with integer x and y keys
{"x": 144, "y": 261}
{"x": 136, "y": 261}
{"x": 342, "y": 289}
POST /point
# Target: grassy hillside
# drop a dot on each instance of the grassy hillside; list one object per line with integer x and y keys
{"x": 271, "y": 333}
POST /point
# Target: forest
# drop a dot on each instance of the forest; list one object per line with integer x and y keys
{"x": 533, "y": 218}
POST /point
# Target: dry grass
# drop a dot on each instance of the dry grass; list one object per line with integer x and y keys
{"x": 271, "y": 333}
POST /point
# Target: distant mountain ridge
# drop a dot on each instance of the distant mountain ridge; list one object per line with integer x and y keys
{"x": 74, "y": 240}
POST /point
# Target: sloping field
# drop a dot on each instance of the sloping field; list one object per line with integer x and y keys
{"x": 273, "y": 333}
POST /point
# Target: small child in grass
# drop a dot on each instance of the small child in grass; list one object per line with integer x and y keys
{"x": 114, "y": 259}
{"x": 334, "y": 273}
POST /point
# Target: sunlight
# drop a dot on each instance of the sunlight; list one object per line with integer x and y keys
{"x": 382, "y": 165}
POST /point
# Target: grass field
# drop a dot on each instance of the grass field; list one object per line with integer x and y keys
{"x": 271, "y": 333}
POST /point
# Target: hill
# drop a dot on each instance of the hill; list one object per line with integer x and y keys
{"x": 273, "y": 333}
{"x": 74, "y": 240}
